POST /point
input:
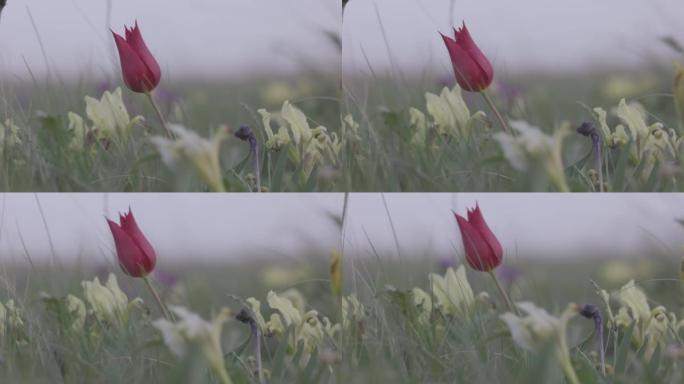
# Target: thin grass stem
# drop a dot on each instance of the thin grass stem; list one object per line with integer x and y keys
{"x": 165, "y": 311}
{"x": 159, "y": 114}
{"x": 494, "y": 109}
{"x": 507, "y": 299}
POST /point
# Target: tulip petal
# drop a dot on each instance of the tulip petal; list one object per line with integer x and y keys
{"x": 478, "y": 253}
{"x": 468, "y": 73}
{"x": 473, "y": 71}
{"x": 477, "y": 221}
{"x": 135, "y": 40}
{"x": 131, "y": 258}
{"x": 461, "y": 37}
{"x": 466, "y": 42}
{"x": 129, "y": 225}
{"x": 134, "y": 70}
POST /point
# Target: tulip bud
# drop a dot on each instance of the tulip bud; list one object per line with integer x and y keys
{"x": 140, "y": 70}
{"x": 473, "y": 71}
{"x": 136, "y": 256}
{"x": 482, "y": 249}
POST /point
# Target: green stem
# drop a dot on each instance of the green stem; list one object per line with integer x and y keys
{"x": 159, "y": 114}
{"x": 570, "y": 372}
{"x": 223, "y": 375}
{"x": 562, "y": 352}
{"x": 498, "y": 115}
{"x": 257, "y": 169}
{"x": 165, "y": 312}
{"x": 507, "y": 299}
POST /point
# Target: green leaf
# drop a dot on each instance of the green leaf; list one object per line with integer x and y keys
{"x": 623, "y": 349}
{"x": 278, "y": 172}
{"x": 619, "y": 176}
{"x": 280, "y": 354}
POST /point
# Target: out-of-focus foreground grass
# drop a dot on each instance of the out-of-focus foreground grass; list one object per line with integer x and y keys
{"x": 54, "y": 140}
{"x": 55, "y": 329}
{"x": 416, "y": 136}
{"x": 419, "y": 322}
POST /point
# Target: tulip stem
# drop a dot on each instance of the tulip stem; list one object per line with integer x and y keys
{"x": 167, "y": 314}
{"x": 507, "y": 299}
{"x": 493, "y": 107}
{"x": 159, "y": 114}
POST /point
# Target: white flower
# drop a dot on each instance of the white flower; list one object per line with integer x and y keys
{"x": 305, "y": 146}
{"x": 109, "y": 115}
{"x": 530, "y": 146}
{"x": 651, "y": 325}
{"x": 307, "y": 327}
{"x": 290, "y": 314}
{"x": 423, "y": 302}
{"x": 77, "y": 309}
{"x": 538, "y": 329}
{"x": 192, "y": 331}
{"x": 453, "y": 294}
{"x": 201, "y": 153}
{"x": 108, "y": 302}
{"x": 273, "y": 141}
{"x": 648, "y": 143}
{"x": 450, "y": 113}
{"x": 634, "y": 299}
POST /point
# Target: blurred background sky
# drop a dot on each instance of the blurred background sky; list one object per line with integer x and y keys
{"x": 215, "y": 227}
{"x": 518, "y": 36}
{"x": 210, "y": 38}
{"x": 199, "y": 38}
{"x": 546, "y": 225}
{"x": 199, "y": 227}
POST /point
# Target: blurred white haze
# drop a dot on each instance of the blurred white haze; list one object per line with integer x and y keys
{"x": 219, "y": 227}
{"x": 191, "y": 38}
{"x": 234, "y": 38}
{"x": 518, "y": 36}
{"x": 180, "y": 226}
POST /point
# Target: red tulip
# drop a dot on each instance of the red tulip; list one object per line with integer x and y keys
{"x": 141, "y": 72}
{"x": 136, "y": 256}
{"x": 473, "y": 71}
{"x": 483, "y": 251}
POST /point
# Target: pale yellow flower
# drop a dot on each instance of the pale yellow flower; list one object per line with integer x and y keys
{"x": 108, "y": 302}
{"x": 202, "y": 154}
{"x": 109, "y": 115}
{"x": 191, "y": 330}
{"x": 538, "y": 329}
{"x": 532, "y": 147}
{"x": 450, "y": 113}
{"x": 452, "y": 292}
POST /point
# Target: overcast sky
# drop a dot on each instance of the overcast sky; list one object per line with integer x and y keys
{"x": 522, "y": 35}
{"x": 226, "y": 226}
{"x": 198, "y": 37}
{"x": 180, "y": 226}
{"x": 232, "y": 38}
{"x": 528, "y": 225}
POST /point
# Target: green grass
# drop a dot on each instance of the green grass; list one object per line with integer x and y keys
{"x": 387, "y": 160}
{"x": 389, "y": 340}
{"x": 43, "y": 161}
{"x": 43, "y": 351}
{"x": 378, "y": 155}
{"x": 391, "y": 344}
